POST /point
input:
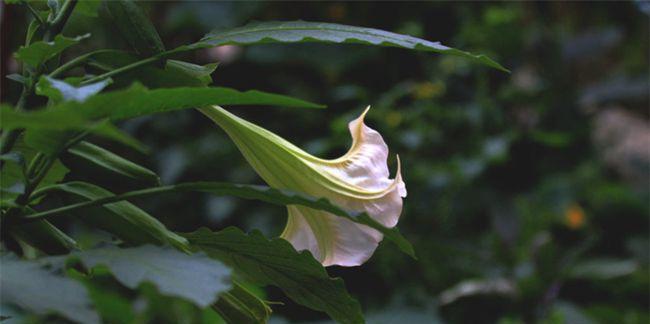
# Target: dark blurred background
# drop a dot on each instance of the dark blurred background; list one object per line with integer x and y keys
{"x": 528, "y": 192}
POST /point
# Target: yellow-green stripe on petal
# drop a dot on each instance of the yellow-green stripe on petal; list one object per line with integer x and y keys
{"x": 358, "y": 181}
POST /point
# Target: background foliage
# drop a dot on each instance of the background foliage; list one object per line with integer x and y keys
{"x": 528, "y": 192}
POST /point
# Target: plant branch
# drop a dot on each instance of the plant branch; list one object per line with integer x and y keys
{"x": 77, "y": 61}
{"x": 34, "y": 13}
{"x": 9, "y": 138}
{"x": 96, "y": 202}
{"x": 221, "y": 188}
{"x": 134, "y": 65}
{"x": 56, "y": 25}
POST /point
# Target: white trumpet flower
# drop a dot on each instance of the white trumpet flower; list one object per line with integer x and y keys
{"x": 357, "y": 181}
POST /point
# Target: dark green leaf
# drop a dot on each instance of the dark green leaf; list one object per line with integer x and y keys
{"x": 135, "y": 27}
{"x": 12, "y": 181}
{"x": 303, "y": 31}
{"x": 88, "y": 7}
{"x": 58, "y": 90}
{"x": 276, "y": 262}
{"x": 239, "y": 305}
{"x": 45, "y": 237}
{"x": 107, "y": 129}
{"x": 34, "y": 27}
{"x": 37, "y": 290}
{"x": 113, "y": 162}
{"x": 40, "y": 52}
{"x": 49, "y": 142}
{"x": 12, "y": 119}
{"x": 122, "y": 219}
{"x": 112, "y": 306}
{"x": 201, "y": 73}
{"x": 195, "y": 277}
{"x": 138, "y": 101}
{"x": 44, "y": 128}
{"x": 39, "y": 119}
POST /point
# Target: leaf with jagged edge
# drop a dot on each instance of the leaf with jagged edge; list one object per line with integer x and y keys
{"x": 275, "y": 262}
{"x": 305, "y": 31}
{"x": 29, "y": 286}
{"x": 40, "y": 52}
{"x": 196, "y": 277}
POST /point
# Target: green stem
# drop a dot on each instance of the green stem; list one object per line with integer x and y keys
{"x": 34, "y": 165}
{"x": 56, "y": 25}
{"x": 34, "y": 13}
{"x": 33, "y": 183}
{"x": 9, "y": 137}
{"x": 213, "y": 188}
{"x": 96, "y": 202}
{"x": 77, "y": 61}
{"x": 134, "y": 65}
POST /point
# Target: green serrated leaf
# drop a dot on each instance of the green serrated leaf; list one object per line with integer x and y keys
{"x": 275, "y": 262}
{"x": 51, "y": 142}
{"x": 196, "y": 278}
{"x": 137, "y": 101}
{"x": 46, "y": 131}
{"x": 113, "y": 162}
{"x": 40, "y": 52}
{"x": 304, "y": 31}
{"x": 29, "y": 286}
{"x": 123, "y": 219}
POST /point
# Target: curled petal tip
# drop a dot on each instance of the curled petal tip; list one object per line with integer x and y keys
{"x": 398, "y": 178}
{"x": 365, "y": 111}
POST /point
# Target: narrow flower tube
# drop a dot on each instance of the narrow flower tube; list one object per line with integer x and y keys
{"x": 357, "y": 181}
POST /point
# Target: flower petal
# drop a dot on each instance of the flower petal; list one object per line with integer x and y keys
{"x": 365, "y": 166}
{"x": 332, "y": 240}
